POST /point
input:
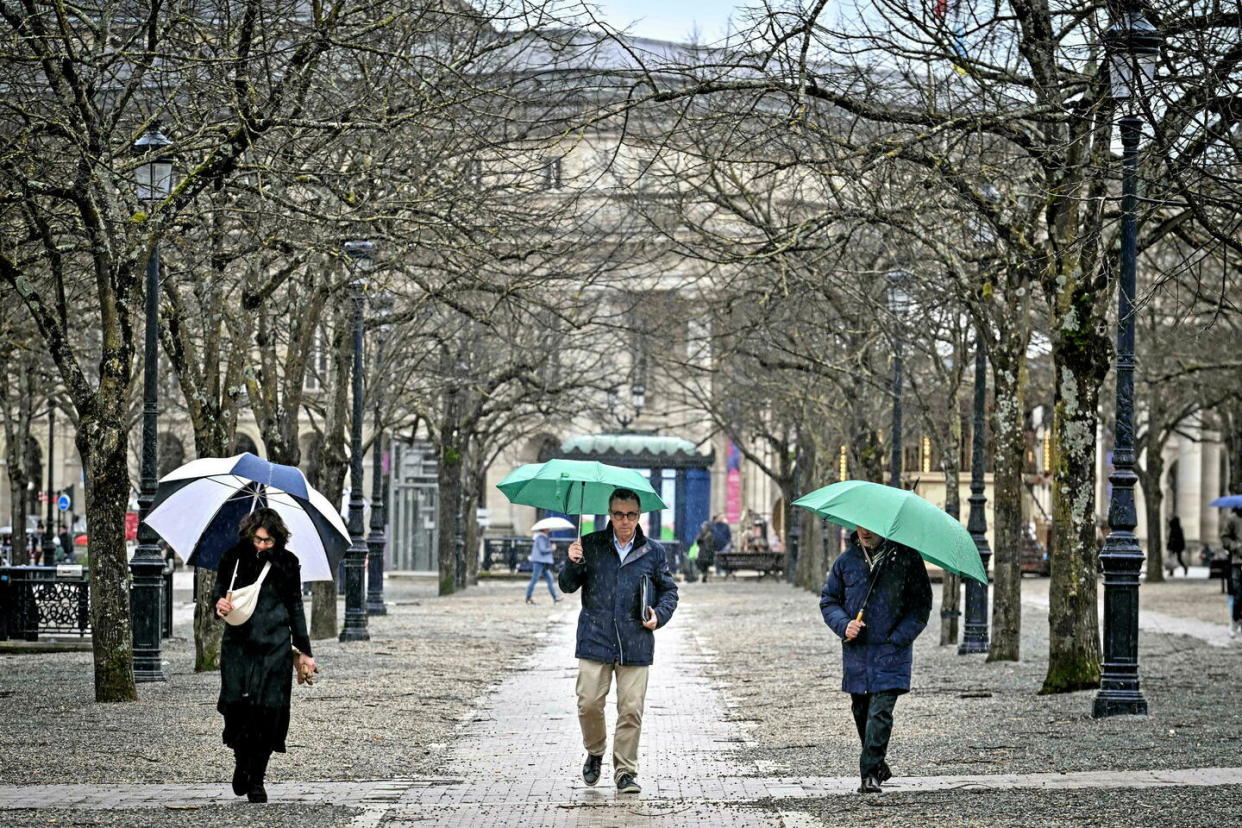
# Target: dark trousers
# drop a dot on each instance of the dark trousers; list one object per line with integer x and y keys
{"x": 1235, "y": 575}
{"x": 873, "y": 716}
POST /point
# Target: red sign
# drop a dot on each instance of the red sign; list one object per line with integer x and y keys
{"x": 131, "y": 526}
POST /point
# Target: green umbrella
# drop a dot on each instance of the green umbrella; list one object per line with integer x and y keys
{"x": 575, "y": 487}
{"x": 901, "y": 516}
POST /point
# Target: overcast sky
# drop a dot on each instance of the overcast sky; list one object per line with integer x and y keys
{"x": 670, "y": 19}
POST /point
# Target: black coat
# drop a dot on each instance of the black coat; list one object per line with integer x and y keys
{"x": 610, "y": 630}
{"x": 881, "y": 657}
{"x": 256, "y": 661}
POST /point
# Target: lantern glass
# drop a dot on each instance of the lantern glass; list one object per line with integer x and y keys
{"x": 898, "y": 297}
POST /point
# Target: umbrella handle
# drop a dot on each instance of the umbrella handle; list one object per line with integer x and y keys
{"x": 859, "y": 616}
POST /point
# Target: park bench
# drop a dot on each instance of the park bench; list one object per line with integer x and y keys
{"x": 764, "y": 563}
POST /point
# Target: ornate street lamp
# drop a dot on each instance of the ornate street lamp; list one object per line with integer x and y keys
{"x": 377, "y": 540}
{"x": 154, "y": 179}
{"x": 975, "y": 630}
{"x": 638, "y": 397}
{"x": 1133, "y": 46}
{"x": 361, "y": 254}
{"x": 899, "y": 306}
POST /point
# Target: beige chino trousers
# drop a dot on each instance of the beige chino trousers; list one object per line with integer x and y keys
{"x": 594, "y": 681}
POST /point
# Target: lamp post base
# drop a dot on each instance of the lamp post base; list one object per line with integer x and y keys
{"x": 970, "y": 647}
{"x": 1118, "y": 703}
{"x": 355, "y": 634}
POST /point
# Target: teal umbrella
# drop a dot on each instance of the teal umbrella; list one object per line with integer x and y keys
{"x": 900, "y": 516}
{"x": 575, "y": 487}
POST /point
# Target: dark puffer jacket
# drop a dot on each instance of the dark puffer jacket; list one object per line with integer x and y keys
{"x": 881, "y": 657}
{"x": 609, "y": 628}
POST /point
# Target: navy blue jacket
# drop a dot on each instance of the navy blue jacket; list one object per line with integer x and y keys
{"x": 609, "y": 628}
{"x": 881, "y": 657}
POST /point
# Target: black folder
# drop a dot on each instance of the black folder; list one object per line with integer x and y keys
{"x": 646, "y": 596}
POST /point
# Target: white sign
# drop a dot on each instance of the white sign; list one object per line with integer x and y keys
{"x": 68, "y": 570}
{"x": 483, "y": 516}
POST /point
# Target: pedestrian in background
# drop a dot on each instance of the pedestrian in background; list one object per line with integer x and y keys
{"x": 757, "y": 540}
{"x": 724, "y": 537}
{"x": 66, "y": 544}
{"x": 256, "y": 657}
{"x": 616, "y": 569}
{"x": 541, "y": 561}
{"x": 1177, "y": 545}
{"x": 707, "y": 548}
{"x": 877, "y": 599}
{"x": 1231, "y": 540}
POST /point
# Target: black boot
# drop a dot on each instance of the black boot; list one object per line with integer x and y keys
{"x": 258, "y": 769}
{"x": 241, "y": 774}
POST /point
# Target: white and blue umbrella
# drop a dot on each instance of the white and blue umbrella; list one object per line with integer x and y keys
{"x": 199, "y": 506}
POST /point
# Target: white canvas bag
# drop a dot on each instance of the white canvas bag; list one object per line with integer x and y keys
{"x": 244, "y": 600}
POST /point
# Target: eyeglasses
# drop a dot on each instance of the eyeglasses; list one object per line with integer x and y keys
{"x": 265, "y": 541}
{"x": 625, "y": 515}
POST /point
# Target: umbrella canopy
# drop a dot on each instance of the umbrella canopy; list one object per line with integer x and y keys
{"x": 901, "y": 516}
{"x": 1228, "y": 502}
{"x": 552, "y": 524}
{"x": 198, "y": 507}
{"x": 575, "y": 487}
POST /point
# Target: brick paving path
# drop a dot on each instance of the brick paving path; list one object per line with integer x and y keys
{"x": 518, "y": 762}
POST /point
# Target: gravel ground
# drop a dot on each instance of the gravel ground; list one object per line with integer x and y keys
{"x": 1163, "y": 807}
{"x": 780, "y": 668}
{"x": 272, "y": 816}
{"x": 381, "y": 709}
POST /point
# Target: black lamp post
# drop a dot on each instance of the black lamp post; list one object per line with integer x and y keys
{"x": 49, "y": 534}
{"x": 360, "y": 254}
{"x": 154, "y": 180}
{"x": 975, "y": 631}
{"x": 1133, "y": 46}
{"x": 899, "y": 306}
{"x": 638, "y": 397}
{"x": 377, "y": 540}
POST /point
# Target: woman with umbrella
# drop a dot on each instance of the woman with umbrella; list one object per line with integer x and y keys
{"x": 541, "y": 557}
{"x": 255, "y": 675}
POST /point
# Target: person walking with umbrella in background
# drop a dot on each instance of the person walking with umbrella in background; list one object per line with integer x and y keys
{"x": 259, "y": 594}
{"x": 886, "y": 584}
{"x": 541, "y": 560}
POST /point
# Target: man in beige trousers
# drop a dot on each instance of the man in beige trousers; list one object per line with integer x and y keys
{"x": 614, "y": 567}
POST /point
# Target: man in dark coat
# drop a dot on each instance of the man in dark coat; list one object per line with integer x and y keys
{"x": 612, "y": 567}
{"x": 886, "y": 583}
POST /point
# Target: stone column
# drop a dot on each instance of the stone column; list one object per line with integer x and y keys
{"x": 1189, "y": 506}
{"x": 1209, "y": 526}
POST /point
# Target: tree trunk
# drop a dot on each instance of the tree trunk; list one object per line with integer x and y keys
{"x": 1073, "y": 616}
{"x": 1153, "y": 502}
{"x": 17, "y": 421}
{"x": 103, "y": 445}
{"x": 811, "y": 565}
{"x": 335, "y": 459}
{"x": 449, "y": 476}
{"x": 1009, "y": 369}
